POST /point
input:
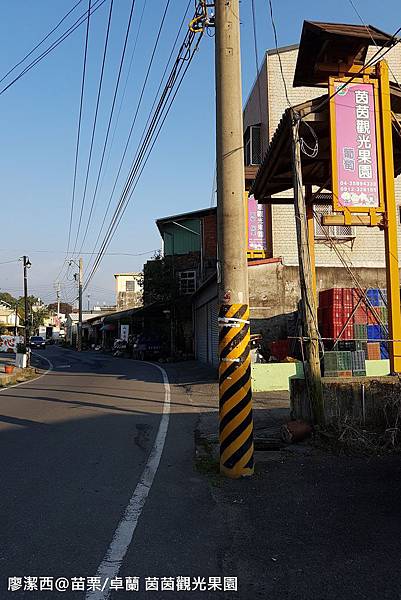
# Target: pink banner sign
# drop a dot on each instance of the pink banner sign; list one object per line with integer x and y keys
{"x": 356, "y": 151}
{"x": 256, "y": 225}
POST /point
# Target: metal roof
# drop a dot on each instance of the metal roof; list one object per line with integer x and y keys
{"x": 335, "y": 44}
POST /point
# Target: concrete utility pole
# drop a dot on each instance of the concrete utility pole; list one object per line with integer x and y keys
{"x": 236, "y": 423}
{"x": 80, "y": 305}
{"x": 58, "y": 300}
{"x": 27, "y": 265}
{"x": 310, "y": 329}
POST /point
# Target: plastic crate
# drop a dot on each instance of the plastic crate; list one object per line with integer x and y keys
{"x": 374, "y": 332}
{"x": 383, "y": 297}
{"x": 345, "y": 374}
{"x": 358, "y": 360}
{"x": 345, "y": 346}
{"x": 374, "y": 296}
{"x": 359, "y": 373}
{"x": 373, "y": 351}
{"x": 360, "y": 331}
{"x": 384, "y": 350}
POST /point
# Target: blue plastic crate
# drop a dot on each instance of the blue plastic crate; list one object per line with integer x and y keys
{"x": 374, "y": 332}
{"x": 374, "y": 296}
{"x": 384, "y": 353}
{"x": 382, "y": 297}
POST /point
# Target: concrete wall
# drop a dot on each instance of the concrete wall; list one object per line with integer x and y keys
{"x": 270, "y": 377}
{"x": 371, "y": 402}
{"x": 274, "y": 293}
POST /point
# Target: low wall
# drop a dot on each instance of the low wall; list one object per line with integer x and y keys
{"x": 367, "y": 401}
{"x": 274, "y": 377}
{"x": 17, "y": 376}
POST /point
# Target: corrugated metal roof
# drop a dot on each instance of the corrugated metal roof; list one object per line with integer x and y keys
{"x": 335, "y": 44}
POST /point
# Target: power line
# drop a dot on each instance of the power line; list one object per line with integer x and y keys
{"x": 96, "y": 5}
{"x": 371, "y": 37}
{"x": 143, "y": 153}
{"x": 97, "y": 108}
{"x": 41, "y": 42}
{"x": 277, "y": 51}
{"x": 137, "y": 109}
{"x": 78, "y": 131}
{"x": 255, "y": 46}
{"x": 108, "y": 126}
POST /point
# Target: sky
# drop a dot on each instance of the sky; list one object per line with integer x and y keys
{"x": 39, "y": 120}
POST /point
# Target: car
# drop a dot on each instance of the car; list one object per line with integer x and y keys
{"x": 36, "y": 341}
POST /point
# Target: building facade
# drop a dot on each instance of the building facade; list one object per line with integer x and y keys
{"x": 128, "y": 290}
{"x": 362, "y": 246}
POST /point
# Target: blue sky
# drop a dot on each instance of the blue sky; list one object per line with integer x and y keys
{"x": 38, "y": 124}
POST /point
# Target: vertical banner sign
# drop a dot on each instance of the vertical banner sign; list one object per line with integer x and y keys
{"x": 354, "y": 147}
{"x": 256, "y": 225}
{"x": 124, "y": 331}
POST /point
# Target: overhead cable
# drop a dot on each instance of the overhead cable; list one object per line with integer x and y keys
{"x": 167, "y": 98}
{"x": 109, "y": 123}
{"x": 136, "y": 114}
{"x": 96, "y": 5}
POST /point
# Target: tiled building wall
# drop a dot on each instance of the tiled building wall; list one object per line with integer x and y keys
{"x": 367, "y": 249}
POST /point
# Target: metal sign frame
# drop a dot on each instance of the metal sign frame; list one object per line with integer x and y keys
{"x": 333, "y": 80}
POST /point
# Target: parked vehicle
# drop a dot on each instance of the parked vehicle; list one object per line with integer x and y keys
{"x": 36, "y": 341}
{"x": 148, "y": 347}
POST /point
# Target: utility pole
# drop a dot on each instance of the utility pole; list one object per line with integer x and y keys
{"x": 27, "y": 265}
{"x": 16, "y": 319}
{"x": 236, "y": 422}
{"x": 58, "y": 300}
{"x": 80, "y": 304}
{"x": 89, "y": 297}
{"x": 313, "y": 377}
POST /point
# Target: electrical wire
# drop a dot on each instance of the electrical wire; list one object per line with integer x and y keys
{"x": 108, "y": 126}
{"x": 255, "y": 47}
{"x": 96, "y": 5}
{"x": 393, "y": 41}
{"x": 277, "y": 51}
{"x": 136, "y": 114}
{"x": 145, "y": 152}
{"x": 97, "y": 109}
{"x": 41, "y": 42}
{"x": 138, "y": 107}
{"x": 81, "y": 100}
{"x": 372, "y": 38}
{"x": 117, "y": 120}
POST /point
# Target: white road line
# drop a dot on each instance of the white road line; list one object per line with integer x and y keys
{"x": 111, "y": 563}
{"x": 30, "y": 380}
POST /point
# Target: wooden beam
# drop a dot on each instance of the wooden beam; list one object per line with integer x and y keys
{"x": 356, "y": 220}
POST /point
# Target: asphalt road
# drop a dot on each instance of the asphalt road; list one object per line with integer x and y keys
{"x": 74, "y": 445}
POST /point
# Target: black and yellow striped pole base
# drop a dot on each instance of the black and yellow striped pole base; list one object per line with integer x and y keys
{"x": 236, "y": 422}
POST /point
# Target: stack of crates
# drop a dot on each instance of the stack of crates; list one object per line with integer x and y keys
{"x": 358, "y": 361}
{"x": 365, "y": 326}
{"x": 338, "y": 364}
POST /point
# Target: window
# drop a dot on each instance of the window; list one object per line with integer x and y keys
{"x": 187, "y": 282}
{"x": 335, "y": 232}
{"x": 252, "y": 146}
{"x": 130, "y": 286}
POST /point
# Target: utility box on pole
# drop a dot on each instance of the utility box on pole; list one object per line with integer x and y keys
{"x": 236, "y": 423}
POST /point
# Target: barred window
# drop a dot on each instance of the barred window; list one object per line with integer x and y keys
{"x": 187, "y": 282}
{"x": 252, "y": 146}
{"x": 336, "y": 232}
